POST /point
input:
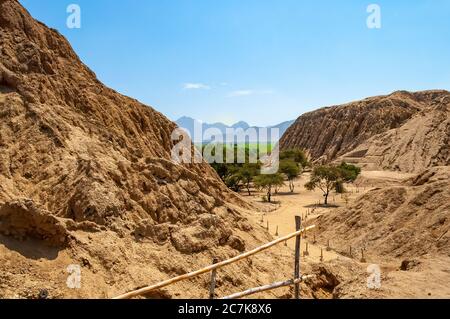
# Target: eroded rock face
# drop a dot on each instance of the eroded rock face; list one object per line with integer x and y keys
{"x": 83, "y": 152}
{"x": 96, "y": 171}
{"x": 407, "y": 221}
{"x": 331, "y": 132}
{"x": 420, "y": 143}
{"x": 21, "y": 219}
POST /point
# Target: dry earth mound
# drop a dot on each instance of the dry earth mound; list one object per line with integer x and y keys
{"x": 86, "y": 177}
{"x": 403, "y": 229}
{"x": 423, "y": 141}
{"x": 408, "y": 221}
{"x": 331, "y": 132}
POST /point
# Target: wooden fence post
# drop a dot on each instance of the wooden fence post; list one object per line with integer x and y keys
{"x": 306, "y": 252}
{"x": 198, "y": 272}
{"x": 212, "y": 286}
{"x": 321, "y": 254}
{"x": 298, "y": 225}
{"x": 363, "y": 259}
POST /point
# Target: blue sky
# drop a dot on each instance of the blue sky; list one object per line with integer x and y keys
{"x": 262, "y": 61}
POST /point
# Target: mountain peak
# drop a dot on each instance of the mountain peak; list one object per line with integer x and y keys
{"x": 241, "y": 124}
{"x": 188, "y": 124}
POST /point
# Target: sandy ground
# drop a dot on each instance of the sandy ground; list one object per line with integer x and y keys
{"x": 308, "y": 205}
{"x": 431, "y": 278}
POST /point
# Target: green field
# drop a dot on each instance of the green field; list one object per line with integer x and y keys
{"x": 250, "y": 146}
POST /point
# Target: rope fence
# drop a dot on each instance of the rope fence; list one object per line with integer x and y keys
{"x": 215, "y": 266}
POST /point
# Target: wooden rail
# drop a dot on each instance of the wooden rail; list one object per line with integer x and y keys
{"x": 275, "y": 285}
{"x": 145, "y": 290}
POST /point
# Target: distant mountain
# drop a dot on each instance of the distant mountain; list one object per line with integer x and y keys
{"x": 243, "y": 125}
{"x": 283, "y": 127}
{"x": 212, "y": 130}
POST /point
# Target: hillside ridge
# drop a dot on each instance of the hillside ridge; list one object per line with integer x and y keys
{"x": 329, "y": 133}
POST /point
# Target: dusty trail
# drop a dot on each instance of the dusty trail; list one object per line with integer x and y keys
{"x": 430, "y": 277}
{"x": 300, "y": 203}
{"x": 304, "y": 203}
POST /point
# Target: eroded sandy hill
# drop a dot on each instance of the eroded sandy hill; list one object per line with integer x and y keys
{"x": 382, "y": 129}
{"x": 423, "y": 141}
{"x": 403, "y": 229}
{"x": 407, "y": 221}
{"x": 86, "y": 178}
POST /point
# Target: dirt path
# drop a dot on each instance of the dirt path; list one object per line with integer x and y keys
{"x": 302, "y": 203}
{"x": 430, "y": 277}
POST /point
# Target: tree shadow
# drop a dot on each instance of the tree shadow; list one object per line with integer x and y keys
{"x": 287, "y": 193}
{"x": 6, "y": 89}
{"x": 273, "y": 202}
{"x": 322, "y": 206}
{"x": 30, "y": 248}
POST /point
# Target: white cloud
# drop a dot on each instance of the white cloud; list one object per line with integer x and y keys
{"x": 196, "y": 86}
{"x": 249, "y": 92}
{"x": 241, "y": 93}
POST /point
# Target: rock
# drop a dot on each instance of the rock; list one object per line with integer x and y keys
{"x": 23, "y": 219}
{"x": 8, "y": 78}
{"x": 409, "y": 264}
{"x": 237, "y": 243}
{"x": 43, "y": 294}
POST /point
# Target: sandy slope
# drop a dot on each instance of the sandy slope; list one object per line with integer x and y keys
{"x": 421, "y": 142}
{"x": 87, "y": 178}
{"x": 429, "y": 272}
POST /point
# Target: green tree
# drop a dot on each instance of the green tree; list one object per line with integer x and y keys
{"x": 349, "y": 172}
{"x": 292, "y": 170}
{"x": 233, "y": 179}
{"x": 297, "y": 155}
{"x": 269, "y": 183}
{"x": 325, "y": 178}
{"x": 247, "y": 173}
